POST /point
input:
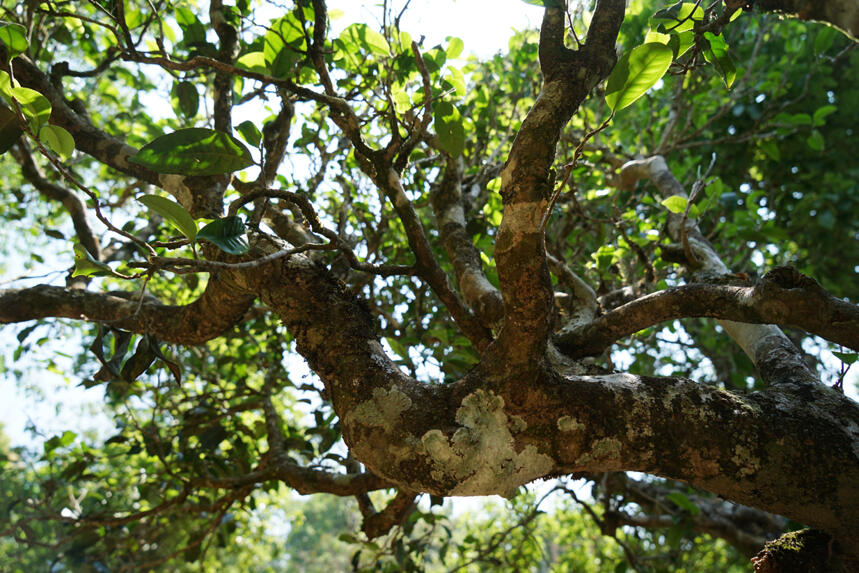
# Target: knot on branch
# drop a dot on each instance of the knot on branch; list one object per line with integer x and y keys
{"x": 789, "y": 278}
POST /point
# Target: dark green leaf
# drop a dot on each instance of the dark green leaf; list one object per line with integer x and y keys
{"x": 249, "y": 131}
{"x": 635, "y": 73}
{"x": 194, "y": 151}
{"x": 142, "y": 358}
{"x": 228, "y": 234}
{"x": 185, "y": 98}
{"x": 846, "y": 357}
{"x": 683, "y": 502}
{"x": 173, "y": 212}
{"x": 815, "y": 140}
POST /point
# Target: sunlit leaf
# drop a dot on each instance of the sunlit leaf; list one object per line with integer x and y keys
{"x": 719, "y": 55}
{"x": 86, "y": 265}
{"x": 14, "y": 37}
{"x": 58, "y": 140}
{"x": 635, "y": 73}
{"x": 449, "y": 127}
{"x": 194, "y": 151}
{"x": 35, "y": 106}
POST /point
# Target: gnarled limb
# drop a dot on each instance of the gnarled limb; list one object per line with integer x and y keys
{"x": 219, "y": 308}
{"x": 803, "y": 304}
{"x": 527, "y": 181}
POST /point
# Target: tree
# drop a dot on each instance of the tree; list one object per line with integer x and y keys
{"x": 460, "y": 254}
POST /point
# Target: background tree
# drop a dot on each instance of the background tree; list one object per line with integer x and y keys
{"x": 484, "y": 266}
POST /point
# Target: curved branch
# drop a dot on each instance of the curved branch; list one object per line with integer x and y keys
{"x": 220, "y": 307}
{"x": 804, "y": 305}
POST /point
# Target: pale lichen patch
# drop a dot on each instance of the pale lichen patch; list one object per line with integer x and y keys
{"x": 569, "y": 424}
{"x": 175, "y": 185}
{"x": 383, "y": 409}
{"x": 748, "y": 463}
{"x": 481, "y": 455}
{"x": 604, "y": 449}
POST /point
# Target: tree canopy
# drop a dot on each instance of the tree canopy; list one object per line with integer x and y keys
{"x": 623, "y": 253}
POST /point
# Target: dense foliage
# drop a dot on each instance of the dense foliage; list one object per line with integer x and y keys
{"x": 163, "y": 159}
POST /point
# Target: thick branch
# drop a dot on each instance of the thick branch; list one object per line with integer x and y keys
{"x": 805, "y": 306}
{"x": 527, "y": 180}
{"x": 220, "y": 307}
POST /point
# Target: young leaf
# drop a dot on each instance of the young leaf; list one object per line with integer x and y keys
{"x": 454, "y": 48}
{"x": 228, "y": 234}
{"x": 253, "y": 62}
{"x": 85, "y": 265}
{"x": 34, "y": 105}
{"x": 173, "y": 212}
{"x": 14, "y": 37}
{"x": 635, "y": 73}
{"x": 194, "y": 151}
{"x": 448, "y": 126}
{"x": 676, "y": 204}
{"x": 58, "y": 140}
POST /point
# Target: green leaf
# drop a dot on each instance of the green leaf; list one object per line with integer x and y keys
{"x": 173, "y": 212}
{"x": 14, "y": 37}
{"x": 449, "y": 127}
{"x": 253, "y": 62}
{"x": 719, "y": 55}
{"x": 815, "y": 141}
{"x": 846, "y": 357}
{"x": 683, "y": 502}
{"x": 58, "y": 140}
{"x": 228, "y": 234}
{"x": 678, "y": 18}
{"x": 604, "y": 257}
{"x": 10, "y": 128}
{"x": 823, "y": 41}
{"x": 281, "y": 45}
{"x": 771, "y": 149}
{"x": 635, "y": 73}
{"x": 457, "y": 81}
{"x": 86, "y": 265}
{"x": 185, "y": 98}
{"x": 194, "y": 151}
{"x": 362, "y": 36}
{"x": 34, "y": 105}
{"x": 249, "y": 132}
{"x": 821, "y": 113}
{"x": 676, "y": 204}
{"x": 454, "y": 47}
